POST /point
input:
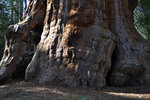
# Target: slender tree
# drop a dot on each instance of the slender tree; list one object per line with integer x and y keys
{"x": 12, "y": 11}
{"x": 25, "y": 2}
{"x": 21, "y": 9}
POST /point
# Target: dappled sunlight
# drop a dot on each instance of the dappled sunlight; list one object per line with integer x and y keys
{"x": 129, "y": 95}
{"x": 3, "y": 86}
{"x": 22, "y": 90}
{"x": 42, "y": 89}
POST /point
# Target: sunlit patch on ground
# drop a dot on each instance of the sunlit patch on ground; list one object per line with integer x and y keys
{"x": 3, "y": 86}
{"x": 31, "y": 91}
{"x": 131, "y": 95}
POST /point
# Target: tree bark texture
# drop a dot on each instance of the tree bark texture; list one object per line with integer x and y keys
{"x": 82, "y": 43}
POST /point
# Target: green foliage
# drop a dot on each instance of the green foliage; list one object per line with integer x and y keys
{"x": 142, "y": 18}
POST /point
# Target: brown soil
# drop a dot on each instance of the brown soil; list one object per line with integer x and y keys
{"x": 30, "y": 91}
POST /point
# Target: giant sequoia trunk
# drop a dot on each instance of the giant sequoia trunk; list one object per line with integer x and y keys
{"x": 77, "y": 43}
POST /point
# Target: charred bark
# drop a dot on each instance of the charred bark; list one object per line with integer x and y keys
{"x": 77, "y": 44}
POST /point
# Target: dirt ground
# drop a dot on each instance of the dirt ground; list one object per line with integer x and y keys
{"x": 30, "y": 91}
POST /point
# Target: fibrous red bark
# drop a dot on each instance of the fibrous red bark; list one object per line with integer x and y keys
{"x": 21, "y": 41}
{"x": 83, "y": 42}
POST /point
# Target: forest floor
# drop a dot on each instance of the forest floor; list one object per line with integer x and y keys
{"x": 21, "y": 90}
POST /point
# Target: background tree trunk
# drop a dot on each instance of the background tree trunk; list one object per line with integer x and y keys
{"x": 83, "y": 43}
{"x": 12, "y": 17}
{"x": 21, "y": 9}
{"x": 25, "y": 2}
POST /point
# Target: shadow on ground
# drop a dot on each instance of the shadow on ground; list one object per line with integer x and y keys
{"x": 30, "y": 91}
